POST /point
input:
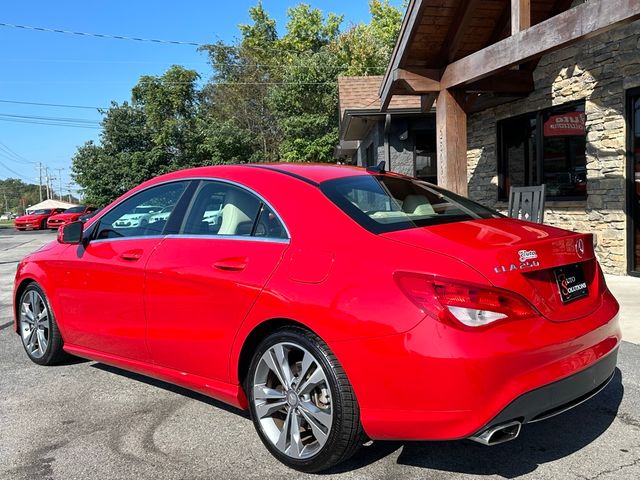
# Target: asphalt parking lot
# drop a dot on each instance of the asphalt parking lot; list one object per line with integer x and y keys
{"x": 86, "y": 420}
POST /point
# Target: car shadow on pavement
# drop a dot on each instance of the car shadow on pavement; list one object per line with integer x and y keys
{"x": 171, "y": 388}
{"x": 538, "y": 443}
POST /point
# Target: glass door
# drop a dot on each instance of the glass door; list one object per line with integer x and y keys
{"x": 634, "y": 182}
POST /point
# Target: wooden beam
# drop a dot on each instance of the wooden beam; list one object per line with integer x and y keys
{"x": 417, "y": 80}
{"x": 407, "y": 32}
{"x": 558, "y": 7}
{"x": 584, "y": 21}
{"x": 507, "y": 81}
{"x": 455, "y": 35}
{"x": 451, "y": 127}
{"x": 520, "y": 15}
{"x": 427, "y": 101}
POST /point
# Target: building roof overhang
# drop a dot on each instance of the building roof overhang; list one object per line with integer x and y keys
{"x": 489, "y": 48}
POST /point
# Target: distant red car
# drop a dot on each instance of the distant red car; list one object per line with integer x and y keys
{"x": 334, "y": 303}
{"x": 36, "y": 220}
{"x": 69, "y": 215}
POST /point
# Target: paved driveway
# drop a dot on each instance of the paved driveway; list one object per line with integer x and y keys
{"x": 85, "y": 420}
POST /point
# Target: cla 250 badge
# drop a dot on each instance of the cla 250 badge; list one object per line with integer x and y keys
{"x": 528, "y": 259}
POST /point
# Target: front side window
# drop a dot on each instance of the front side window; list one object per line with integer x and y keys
{"x": 142, "y": 215}
{"x": 223, "y": 209}
{"x": 385, "y": 204}
{"x": 545, "y": 147}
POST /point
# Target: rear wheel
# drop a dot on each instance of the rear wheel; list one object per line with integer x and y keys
{"x": 38, "y": 328}
{"x": 301, "y": 402}
{"x": 43, "y": 225}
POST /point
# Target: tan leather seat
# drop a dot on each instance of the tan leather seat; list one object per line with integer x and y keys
{"x": 237, "y": 210}
{"x": 417, "y": 205}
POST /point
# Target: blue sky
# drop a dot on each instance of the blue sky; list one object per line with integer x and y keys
{"x": 66, "y": 69}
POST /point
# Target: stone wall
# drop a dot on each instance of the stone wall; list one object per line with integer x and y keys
{"x": 598, "y": 70}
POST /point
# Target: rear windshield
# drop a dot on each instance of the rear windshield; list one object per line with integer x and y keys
{"x": 386, "y": 204}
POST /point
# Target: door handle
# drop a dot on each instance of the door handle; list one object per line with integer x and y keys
{"x": 131, "y": 255}
{"x": 231, "y": 264}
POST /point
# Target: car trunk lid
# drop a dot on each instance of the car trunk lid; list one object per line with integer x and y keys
{"x": 523, "y": 257}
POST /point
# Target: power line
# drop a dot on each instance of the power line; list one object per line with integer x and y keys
{"x": 16, "y": 173}
{"x": 9, "y": 154}
{"x": 214, "y": 65}
{"x": 61, "y": 105}
{"x": 35, "y": 122}
{"x": 99, "y": 35}
{"x": 332, "y": 82}
{"x": 56, "y": 119}
{"x": 172, "y": 42}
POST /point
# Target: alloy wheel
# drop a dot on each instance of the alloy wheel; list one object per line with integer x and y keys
{"x": 292, "y": 400}
{"x": 35, "y": 324}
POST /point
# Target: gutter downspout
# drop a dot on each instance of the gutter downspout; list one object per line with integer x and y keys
{"x": 387, "y": 146}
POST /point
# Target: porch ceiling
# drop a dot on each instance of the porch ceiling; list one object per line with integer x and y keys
{"x": 436, "y": 33}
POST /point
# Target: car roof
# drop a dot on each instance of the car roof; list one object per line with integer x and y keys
{"x": 310, "y": 172}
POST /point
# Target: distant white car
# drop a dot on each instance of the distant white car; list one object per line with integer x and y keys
{"x": 163, "y": 214}
{"x": 138, "y": 218}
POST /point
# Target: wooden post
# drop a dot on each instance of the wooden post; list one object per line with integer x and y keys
{"x": 451, "y": 126}
{"x": 520, "y": 15}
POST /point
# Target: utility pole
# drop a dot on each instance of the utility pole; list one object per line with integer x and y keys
{"x": 60, "y": 170}
{"x": 40, "y": 180}
{"x": 47, "y": 179}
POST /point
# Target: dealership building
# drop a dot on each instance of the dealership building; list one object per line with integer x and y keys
{"x": 481, "y": 96}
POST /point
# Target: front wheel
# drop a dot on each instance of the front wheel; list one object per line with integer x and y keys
{"x": 302, "y": 404}
{"x": 41, "y": 338}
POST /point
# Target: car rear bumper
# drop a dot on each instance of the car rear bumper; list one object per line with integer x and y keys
{"x": 439, "y": 383}
{"x": 558, "y": 397}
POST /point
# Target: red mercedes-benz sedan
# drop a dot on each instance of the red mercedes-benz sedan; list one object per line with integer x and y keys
{"x": 335, "y": 303}
{"x": 36, "y": 220}
{"x": 69, "y": 215}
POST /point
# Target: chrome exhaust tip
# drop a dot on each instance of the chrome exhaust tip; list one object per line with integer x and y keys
{"x": 498, "y": 434}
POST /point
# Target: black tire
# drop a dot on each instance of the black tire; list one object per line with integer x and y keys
{"x": 43, "y": 225}
{"x": 53, "y": 353}
{"x": 346, "y": 435}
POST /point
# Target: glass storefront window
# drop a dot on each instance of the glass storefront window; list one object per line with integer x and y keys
{"x": 545, "y": 147}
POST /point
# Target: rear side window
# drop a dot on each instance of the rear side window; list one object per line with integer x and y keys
{"x": 223, "y": 209}
{"x": 385, "y": 204}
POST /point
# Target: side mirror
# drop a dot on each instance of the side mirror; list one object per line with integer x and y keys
{"x": 71, "y": 233}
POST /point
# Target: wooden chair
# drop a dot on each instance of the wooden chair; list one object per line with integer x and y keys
{"x": 527, "y": 203}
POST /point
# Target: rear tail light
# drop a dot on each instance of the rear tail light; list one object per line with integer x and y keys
{"x": 461, "y": 303}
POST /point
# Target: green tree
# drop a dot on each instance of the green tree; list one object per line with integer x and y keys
{"x": 270, "y": 97}
{"x": 16, "y": 195}
{"x": 156, "y": 133}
